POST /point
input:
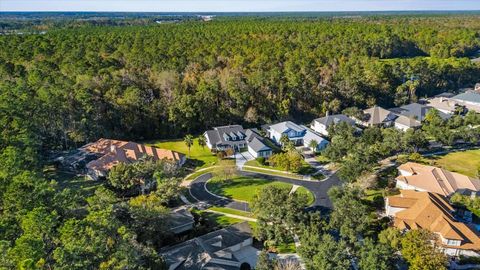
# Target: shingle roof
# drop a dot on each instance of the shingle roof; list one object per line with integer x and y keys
{"x": 378, "y": 115}
{"x": 197, "y": 253}
{"x": 417, "y": 111}
{"x": 312, "y": 135}
{"x": 219, "y": 135}
{"x": 258, "y": 145}
{"x": 334, "y": 119}
{"x": 436, "y": 180}
{"x": 287, "y": 125}
{"x": 407, "y": 121}
{"x": 432, "y": 212}
{"x": 469, "y": 96}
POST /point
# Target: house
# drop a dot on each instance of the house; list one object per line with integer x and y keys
{"x": 377, "y": 116}
{"x": 321, "y": 125}
{"x": 311, "y": 135}
{"x": 444, "y": 105}
{"x": 417, "y": 111}
{"x": 224, "y": 249}
{"x": 180, "y": 220}
{"x": 415, "y": 176}
{"x": 113, "y": 152}
{"x": 300, "y": 135}
{"x": 256, "y": 145}
{"x": 426, "y": 210}
{"x": 403, "y": 123}
{"x": 469, "y": 99}
{"x": 221, "y": 138}
{"x": 293, "y": 131}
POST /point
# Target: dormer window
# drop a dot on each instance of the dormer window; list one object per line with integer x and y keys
{"x": 226, "y": 137}
{"x": 233, "y": 136}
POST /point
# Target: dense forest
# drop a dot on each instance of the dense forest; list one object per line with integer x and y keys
{"x": 66, "y": 87}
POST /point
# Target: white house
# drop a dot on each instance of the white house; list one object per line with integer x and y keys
{"x": 321, "y": 125}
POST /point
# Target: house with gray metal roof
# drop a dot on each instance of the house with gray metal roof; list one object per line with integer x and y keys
{"x": 224, "y": 249}
{"x": 321, "y": 125}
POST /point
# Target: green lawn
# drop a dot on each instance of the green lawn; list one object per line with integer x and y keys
{"x": 305, "y": 192}
{"x": 201, "y": 156}
{"x": 217, "y": 219}
{"x": 464, "y": 162}
{"x": 241, "y": 188}
{"x": 305, "y": 169}
{"x": 286, "y": 248}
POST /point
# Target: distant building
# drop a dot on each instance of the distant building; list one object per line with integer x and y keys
{"x": 224, "y": 137}
{"x": 417, "y": 111}
{"x": 377, "y": 116}
{"x": 432, "y": 179}
{"x": 321, "y": 125}
{"x": 413, "y": 210}
{"x": 404, "y": 123}
{"x": 444, "y": 105}
{"x": 293, "y": 131}
{"x": 469, "y": 99}
{"x": 113, "y": 152}
{"x": 225, "y": 249}
{"x": 300, "y": 135}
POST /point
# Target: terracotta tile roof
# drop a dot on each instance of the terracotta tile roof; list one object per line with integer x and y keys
{"x": 114, "y": 152}
{"x": 436, "y": 180}
{"x": 431, "y": 211}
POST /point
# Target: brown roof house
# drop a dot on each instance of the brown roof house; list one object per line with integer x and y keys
{"x": 377, "y": 116}
{"x": 432, "y": 179}
{"x": 426, "y": 210}
{"x": 113, "y": 152}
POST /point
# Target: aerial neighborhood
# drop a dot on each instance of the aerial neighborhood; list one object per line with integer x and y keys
{"x": 421, "y": 197}
{"x": 240, "y": 141}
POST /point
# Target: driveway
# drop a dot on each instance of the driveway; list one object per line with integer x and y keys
{"x": 319, "y": 190}
{"x": 242, "y": 158}
{"x": 309, "y": 157}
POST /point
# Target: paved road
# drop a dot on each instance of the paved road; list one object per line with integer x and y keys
{"x": 319, "y": 190}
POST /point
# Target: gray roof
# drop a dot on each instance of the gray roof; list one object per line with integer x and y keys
{"x": 417, "y": 111}
{"x": 469, "y": 96}
{"x": 218, "y": 135}
{"x": 285, "y": 126}
{"x": 312, "y": 135}
{"x": 196, "y": 253}
{"x": 180, "y": 217}
{"x": 334, "y": 119}
{"x": 258, "y": 145}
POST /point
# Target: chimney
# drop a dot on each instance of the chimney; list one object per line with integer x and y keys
{"x": 327, "y": 113}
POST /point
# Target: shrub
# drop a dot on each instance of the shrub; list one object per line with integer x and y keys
{"x": 260, "y": 160}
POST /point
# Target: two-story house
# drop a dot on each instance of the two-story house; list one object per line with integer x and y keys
{"x": 221, "y": 138}
{"x": 413, "y": 210}
{"x": 300, "y": 135}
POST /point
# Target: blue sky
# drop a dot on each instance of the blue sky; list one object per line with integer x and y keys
{"x": 235, "y": 5}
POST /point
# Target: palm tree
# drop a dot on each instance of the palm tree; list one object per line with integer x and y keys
{"x": 202, "y": 141}
{"x": 313, "y": 144}
{"x": 188, "y": 142}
